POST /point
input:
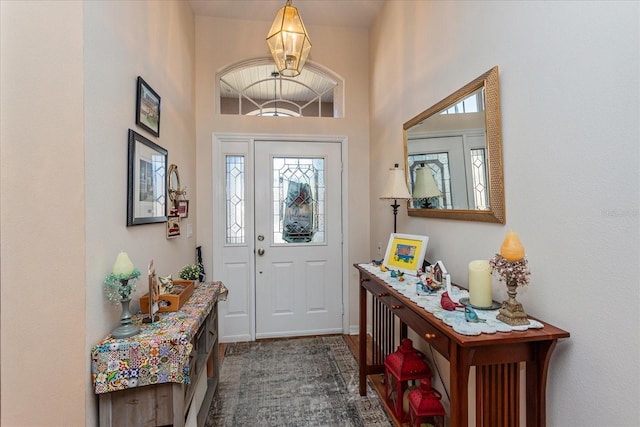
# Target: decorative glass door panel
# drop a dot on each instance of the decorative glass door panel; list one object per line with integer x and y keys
{"x": 298, "y": 200}
{"x": 235, "y": 199}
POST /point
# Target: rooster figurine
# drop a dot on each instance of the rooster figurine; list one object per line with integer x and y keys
{"x": 447, "y": 303}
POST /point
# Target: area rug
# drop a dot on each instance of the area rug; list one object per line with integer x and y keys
{"x": 293, "y": 382}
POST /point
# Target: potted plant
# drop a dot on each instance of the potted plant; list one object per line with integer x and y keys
{"x": 190, "y": 272}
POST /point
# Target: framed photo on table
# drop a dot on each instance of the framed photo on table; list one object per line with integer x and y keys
{"x": 405, "y": 252}
{"x": 147, "y": 108}
{"x": 146, "y": 182}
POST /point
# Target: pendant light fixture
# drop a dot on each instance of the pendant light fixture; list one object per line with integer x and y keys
{"x": 288, "y": 41}
{"x": 275, "y": 75}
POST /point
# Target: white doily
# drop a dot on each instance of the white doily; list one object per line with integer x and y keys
{"x": 455, "y": 319}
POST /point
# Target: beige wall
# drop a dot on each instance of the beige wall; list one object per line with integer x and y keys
{"x": 68, "y": 99}
{"x": 43, "y": 221}
{"x": 569, "y": 95}
{"x": 221, "y": 43}
{"x": 155, "y": 40}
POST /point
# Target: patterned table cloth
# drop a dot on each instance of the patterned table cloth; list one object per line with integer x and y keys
{"x": 455, "y": 319}
{"x": 160, "y": 352}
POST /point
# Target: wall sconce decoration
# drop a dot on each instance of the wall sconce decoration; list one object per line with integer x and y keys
{"x": 396, "y": 189}
{"x": 119, "y": 285}
{"x": 512, "y": 267}
{"x": 288, "y": 41}
{"x": 425, "y": 187}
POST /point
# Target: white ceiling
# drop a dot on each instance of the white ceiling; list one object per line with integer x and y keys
{"x": 333, "y": 13}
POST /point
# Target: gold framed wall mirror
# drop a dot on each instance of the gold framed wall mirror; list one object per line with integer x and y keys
{"x": 453, "y": 155}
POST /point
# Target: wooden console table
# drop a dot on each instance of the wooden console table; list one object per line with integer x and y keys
{"x": 495, "y": 356}
{"x": 168, "y": 373}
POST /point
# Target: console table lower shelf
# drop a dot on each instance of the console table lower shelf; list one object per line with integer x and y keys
{"x": 496, "y": 357}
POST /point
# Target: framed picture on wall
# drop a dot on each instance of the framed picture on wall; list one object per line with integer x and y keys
{"x": 183, "y": 208}
{"x": 173, "y": 227}
{"x": 405, "y": 252}
{"x": 146, "y": 183}
{"x": 147, "y": 108}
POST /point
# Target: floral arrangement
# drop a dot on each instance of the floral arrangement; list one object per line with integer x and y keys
{"x": 120, "y": 286}
{"x": 514, "y": 272}
{"x": 190, "y": 272}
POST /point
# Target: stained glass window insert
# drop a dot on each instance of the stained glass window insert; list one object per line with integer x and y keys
{"x": 235, "y": 199}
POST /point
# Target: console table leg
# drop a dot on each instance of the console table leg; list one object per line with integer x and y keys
{"x": 459, "y": 365}
{"x": 362, "y": 342}
{"x": 537, "y": 371}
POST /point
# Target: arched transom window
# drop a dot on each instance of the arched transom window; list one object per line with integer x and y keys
{"x": 254, "y": 88}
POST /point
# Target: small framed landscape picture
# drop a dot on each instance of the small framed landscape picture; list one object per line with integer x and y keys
{"x": 405, "y": 252}
{"x": 147, "y": 108}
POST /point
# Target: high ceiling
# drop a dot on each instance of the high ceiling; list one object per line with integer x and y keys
{"x": 334, "y": 13}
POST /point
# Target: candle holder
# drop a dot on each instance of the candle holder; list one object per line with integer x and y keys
{"x": 118, "y": 288}
{"x": 514, "y": 274}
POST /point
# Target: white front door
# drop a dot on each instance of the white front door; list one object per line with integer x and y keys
{"x": 278, "y": 237}
{"x": 298, "y": 238}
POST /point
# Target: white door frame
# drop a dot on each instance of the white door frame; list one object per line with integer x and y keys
{"x": 219, "y": 219}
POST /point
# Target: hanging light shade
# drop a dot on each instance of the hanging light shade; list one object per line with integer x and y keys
{"x": 288, "y": 41}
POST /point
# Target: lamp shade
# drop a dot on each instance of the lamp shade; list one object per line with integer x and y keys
{"x": 288, "y": 41}
{"x": 396, "y": 187}
{"x": 425, "y": 184}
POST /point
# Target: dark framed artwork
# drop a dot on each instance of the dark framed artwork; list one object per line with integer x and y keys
{"x": 183, "y": 208}
{"x": 147, "y": 108}
{"x": 146, "y": 183}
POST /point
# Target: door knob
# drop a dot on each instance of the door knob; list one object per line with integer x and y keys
{"x": 260, "y": 251}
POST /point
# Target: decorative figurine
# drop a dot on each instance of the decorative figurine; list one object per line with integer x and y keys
{"x": 422, "y": 289}
{"x": 447, "y": 303}
{"x": 471, "y": 316}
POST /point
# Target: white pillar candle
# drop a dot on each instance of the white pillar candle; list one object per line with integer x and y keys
{"x": 123, "y": 265}
{"x": 480, "y": 283}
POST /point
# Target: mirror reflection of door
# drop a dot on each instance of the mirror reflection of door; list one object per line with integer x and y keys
{"x": 282, "y": 255}
{"x": 458, "y": 166}
{"x": 445, "y": 159}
